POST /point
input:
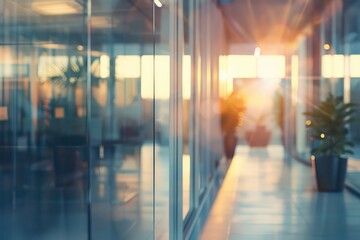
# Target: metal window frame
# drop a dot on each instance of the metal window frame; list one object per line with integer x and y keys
{"x": 175, "y": 158}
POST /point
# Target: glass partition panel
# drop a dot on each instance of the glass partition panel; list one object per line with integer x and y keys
{"x": 352, "y": 83}
{"x": 203, "y": 93}
{"x": 43, "y": 166}
{"x": 122, "y": 120}
{"x": 187, "y": 107}
{"x": 163, "y": 114}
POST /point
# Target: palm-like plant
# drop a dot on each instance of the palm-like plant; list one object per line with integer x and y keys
{"x": 328, "y": 122}
{"x": 74, "y": 72}
{"x": 232, "y": 109}
{"x": 69, "y": 76}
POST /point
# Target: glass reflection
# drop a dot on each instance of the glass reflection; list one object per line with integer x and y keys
{"x": 85, "y": 115}
{"x": 121, "y": 132}
{"x": 352, "y": 84}
{"x": 44, "y": 160}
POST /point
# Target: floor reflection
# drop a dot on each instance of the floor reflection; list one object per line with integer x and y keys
{"x": 276, "y": 200}
{"x": 123, "y": 193}
{"x": 122, "y": 198}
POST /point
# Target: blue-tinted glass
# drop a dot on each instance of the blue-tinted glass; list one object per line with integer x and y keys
{"x": 121, "y": 133}
{"x": 44, "y": 160}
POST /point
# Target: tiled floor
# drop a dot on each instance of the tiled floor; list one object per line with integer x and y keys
{"x": 265, "y": 197}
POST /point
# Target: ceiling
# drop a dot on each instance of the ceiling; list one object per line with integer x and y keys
{"x": 130, "y": 21}
{"x": 270, "y": 21}
{"x": 64, "y": 21}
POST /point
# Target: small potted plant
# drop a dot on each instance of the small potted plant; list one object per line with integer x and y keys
{"x": 328, "y": 124}
{"x": 279, "y": 113}
{"x": 259, "y": 136}
{"x": 69, "y": 143}
{"x": 232, "y": 109}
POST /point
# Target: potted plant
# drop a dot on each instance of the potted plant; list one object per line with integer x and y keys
{"x": 259, "y": 136}
{"x": 232, "y": 109}
{"x": 328, "y": 124}
{"x": 69, "y": 143}
{"x": 279, "y": 113}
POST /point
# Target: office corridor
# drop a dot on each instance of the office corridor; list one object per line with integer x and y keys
{"x": 264, "y": 197}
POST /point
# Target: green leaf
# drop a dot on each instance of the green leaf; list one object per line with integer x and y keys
{"x": 348, "y": 152}
{"x": 331, "y": 117}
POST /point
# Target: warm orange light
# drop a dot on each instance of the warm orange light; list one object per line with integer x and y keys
{"x": 4, "y": 113}
{"x": 100, "y": 93}
{"x": 56, "y": 7}
{"x": 242, "y": 66}
{"x": 312, "y": 157}
{"x": 271, "y": 66}
{"x": 104, "y": 66}
{"x": 294, "y": 77}
{"x": 186, "y": 183}
{"x": 327, "y": 46}
{"x": 186, "y": 75}
{"x": 225, "y": 77}
{"x": 257, "y": 51}
{"x": 308, "y": 122}
{"x": 51, "y": 66}
{"x": 59, "y": 112}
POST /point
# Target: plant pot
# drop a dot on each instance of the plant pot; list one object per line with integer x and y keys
{"x": 260, "y": 137}
{"x": 69, "y": 154}
{"x": 67, "y": 166}
{"x": 230, "y": 142}
{"x": 330, "y": 172}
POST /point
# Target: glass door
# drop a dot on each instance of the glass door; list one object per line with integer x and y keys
{"x": 121, "y": 117}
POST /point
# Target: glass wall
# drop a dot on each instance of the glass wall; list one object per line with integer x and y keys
{"x": 43, "y": 125}
{"x": 351, "y": 83}
{"x": 109, "y": 124}
{"x": 121, "y": 120}
{"x": 328, "y": 59}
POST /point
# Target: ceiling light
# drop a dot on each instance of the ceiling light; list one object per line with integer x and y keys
{"x": 53, "y": 45}
{"x": 56, "y": 7}
{"x": 101, "y": 22}
{"x": 158, "y": 3}
{"x": 327, "y": 46}
{"x": 80, "y": 48}
{"x": 257, "y": 51}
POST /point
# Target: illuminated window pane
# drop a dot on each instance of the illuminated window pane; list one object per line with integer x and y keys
{"x": 162, "y": 76}
{"x": 338, "y": 66}
{"x": 223, "y": 68}
{"x": 332, "y": 66}
{"x": 147, "y": 71}
{"x": 326, "y": 66}
{"x": 242, "y": 66}
{"x": 224, "y": 76}
{"x": 271, "y": 66}
{"x": 127, "y": 66}
{"x": 51, "y": 65}
{"x": 355, "y": 66}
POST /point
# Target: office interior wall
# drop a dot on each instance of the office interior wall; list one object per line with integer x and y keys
{"x": 86, "y": 93}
